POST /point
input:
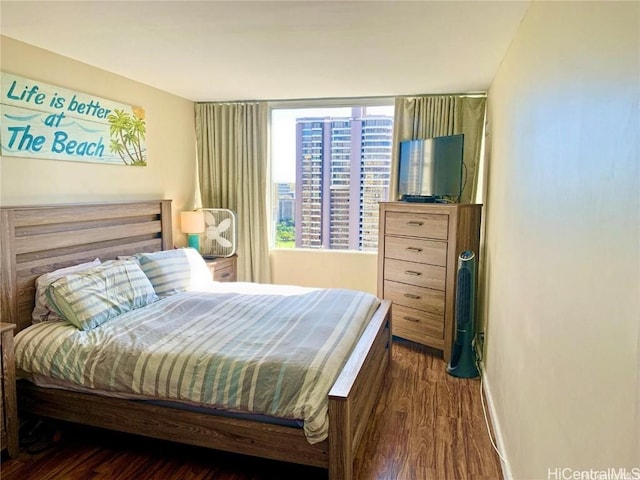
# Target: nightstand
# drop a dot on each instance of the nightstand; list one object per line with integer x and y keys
{"x": 8, "y": 406}
{"x": 223, "y": 269}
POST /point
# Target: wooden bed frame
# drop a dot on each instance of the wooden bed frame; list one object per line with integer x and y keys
{"x": 38, "y": 239}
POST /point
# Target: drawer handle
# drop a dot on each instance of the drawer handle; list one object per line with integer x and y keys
{"x": 411, "y": 272}
{"x": 412, "y": 296}
{"x": 412, "y": 319}
{"x": 413, "y": 249}
{"x": 415, "y": 224}
{"x": 225, "y": 275}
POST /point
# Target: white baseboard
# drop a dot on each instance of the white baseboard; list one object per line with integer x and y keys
{"x": 495, "y": 423}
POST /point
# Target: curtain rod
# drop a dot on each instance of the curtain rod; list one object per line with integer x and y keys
{"x": 346, "y": 100}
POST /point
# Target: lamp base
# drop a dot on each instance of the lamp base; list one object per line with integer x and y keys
{"x": 193, "y": 240}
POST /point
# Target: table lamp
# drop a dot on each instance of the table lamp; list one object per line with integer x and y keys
{"x": 192, "y": 223}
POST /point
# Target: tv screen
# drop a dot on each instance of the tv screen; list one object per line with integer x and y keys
{"x": 431, "y": 168}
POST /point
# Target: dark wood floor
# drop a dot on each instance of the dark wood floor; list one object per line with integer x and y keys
{"x": 428, "y": 425}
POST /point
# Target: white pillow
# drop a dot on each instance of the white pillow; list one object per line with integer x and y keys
{"x": 173, "y": 271}
{"x": 43, "y": 310}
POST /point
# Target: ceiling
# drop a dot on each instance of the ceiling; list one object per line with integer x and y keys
{"x": 240, "y": 50}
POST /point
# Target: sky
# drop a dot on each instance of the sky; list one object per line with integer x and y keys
{"x": 283, "y": 135}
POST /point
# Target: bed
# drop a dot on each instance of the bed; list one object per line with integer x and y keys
{"x": 39, "y": 239}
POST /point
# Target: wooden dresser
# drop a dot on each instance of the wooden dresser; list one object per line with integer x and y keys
{"x": 418, "y": 251}
{"x": 8, "y": 408}
{"x": 223, "y": 269}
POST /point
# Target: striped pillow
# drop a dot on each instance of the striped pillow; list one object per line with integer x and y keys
{"x": 90, "y": 298}
{"x": 43, "y": 310}
{"x": 174, "y": 271}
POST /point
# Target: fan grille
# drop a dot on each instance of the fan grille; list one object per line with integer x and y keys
{"x": 220, "y": 236}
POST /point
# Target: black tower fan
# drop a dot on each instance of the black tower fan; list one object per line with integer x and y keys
{"x": 463, "y": 357}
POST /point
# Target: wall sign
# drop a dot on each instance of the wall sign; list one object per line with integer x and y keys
{"x": 39, "y": 120}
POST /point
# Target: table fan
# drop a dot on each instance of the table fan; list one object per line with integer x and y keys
{"x": 220, "y": 236}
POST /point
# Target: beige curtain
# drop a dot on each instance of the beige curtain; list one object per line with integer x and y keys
{"x": 232, "y": 146}
{"x": 433, "y": 116}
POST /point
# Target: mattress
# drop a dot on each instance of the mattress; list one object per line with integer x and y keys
{"x": 250, "y": 348}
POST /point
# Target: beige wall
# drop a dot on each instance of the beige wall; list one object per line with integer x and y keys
{"x": 170, "y": 141}
{"x": 325, "y": 268}
{"x": 563, "y": 288}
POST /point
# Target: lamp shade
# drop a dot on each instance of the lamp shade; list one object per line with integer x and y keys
{"x": 192, "y": 222}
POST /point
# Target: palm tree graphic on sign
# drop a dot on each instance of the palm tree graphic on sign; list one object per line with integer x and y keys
{"x": 127, "y": 136}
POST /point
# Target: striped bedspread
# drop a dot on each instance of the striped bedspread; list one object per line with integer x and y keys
{"x": 270, "y": 350}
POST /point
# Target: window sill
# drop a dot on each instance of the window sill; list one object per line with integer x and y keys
{"x": 320, "y": 251}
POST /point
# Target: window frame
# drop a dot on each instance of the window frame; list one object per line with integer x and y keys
{"x": 347, "y": 102}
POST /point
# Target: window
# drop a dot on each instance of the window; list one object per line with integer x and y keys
{"x": 331, "y": 167}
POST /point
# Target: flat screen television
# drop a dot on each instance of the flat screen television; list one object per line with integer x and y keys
{"x": 431, "y": 168}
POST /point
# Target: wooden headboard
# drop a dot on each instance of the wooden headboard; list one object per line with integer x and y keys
{"x": 39, "y": 239}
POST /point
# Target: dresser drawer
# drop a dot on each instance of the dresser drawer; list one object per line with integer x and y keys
{"x": 417, "y": 322}
{"x": 419, "y": 274}
{"x": 417, "y": 225}
{"x": 3, "y": 429}
{"x": 227, "y": 274}
{"x": 223, "y": 269}
{"x": 2, "y": 426}
{"x": 8, "y": 407}
{"x": 420, "y": 298}
{"x": 416, "y": 250}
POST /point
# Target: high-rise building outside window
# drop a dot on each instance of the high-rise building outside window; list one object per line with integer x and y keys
{"x": 331, "y": 168}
